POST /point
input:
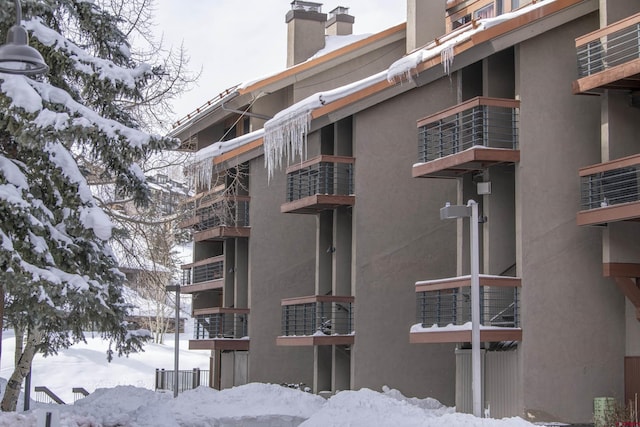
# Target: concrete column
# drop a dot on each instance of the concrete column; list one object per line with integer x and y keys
{"x": 242, "y": 274}
{"x": 499, "y": 242}
{"x": 322, "y": 357}
{"x": 498, "y": 79}
{"x": 228, "y": 291}
{"x": 324, "y": 252}
{"x": 342, "y": 256}
{"x": 341, "y": 368}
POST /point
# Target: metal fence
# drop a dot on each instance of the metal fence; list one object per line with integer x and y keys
{"x": 609, "y": 50}
{"x": 231, "y": 325}
{"x": 212, "y": 270}
{"x": 484, "y": 125}
{"x": 499, "y": 306}
{"x": 610, "y": 187}
{"x": 187, "y": 380}
{"x": 321, "y": 177}
{"x": 324, "y": 317}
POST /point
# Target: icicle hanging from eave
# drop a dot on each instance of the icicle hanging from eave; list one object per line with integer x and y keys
{"x": 286, "y": 136}
{"x": 447, "y": 56}
{"x": 200, "y": 172}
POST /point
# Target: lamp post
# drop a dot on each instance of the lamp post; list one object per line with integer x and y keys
{"x": 176, "y": 354}
{"x": 471, "y": 211}
{"x": 16, "y": 56}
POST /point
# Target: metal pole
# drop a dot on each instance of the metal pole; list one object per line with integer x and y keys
{"x": 476, "y": 382}
{"x": 27, "y": 390}
{"x": 177, "y": 343}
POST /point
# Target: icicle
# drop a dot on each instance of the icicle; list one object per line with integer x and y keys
{"x": 446, "y": 57}
{"x": 200, "y": 173}
{"x": 286, "y": 136}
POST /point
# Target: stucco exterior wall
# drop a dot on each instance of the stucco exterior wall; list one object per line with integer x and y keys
{"x": 281, "y": 265}
{"x": 398, "y": 240}
{"x": 572, "y": 317}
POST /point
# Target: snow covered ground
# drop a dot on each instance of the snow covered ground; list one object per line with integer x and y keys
{"x": 122, "y": 395}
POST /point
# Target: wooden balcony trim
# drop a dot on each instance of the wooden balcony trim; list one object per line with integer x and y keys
{"x": 486, "y": 335}
{"x": 320, "y": 159}
{"x": 316, "y": 203}
{"x": 317, "y": 298}
{"x": 623, "y": 162}
{"x": 465, "y": 281}
{"x": 613, "y": 213}
{"x": 621, "y": 269}
{"x": 219, "y": 310}
{"x": 237, "y": 344}
{"x": 606, "y": 78}
{"x": 202, "y": 286}
{"x": 467, "y": 105}
{"x": 221, "y": 232}
{"x": 314, "y": 340}
{"x": 457, "y": 162}
{"x": 611, "y": 28}
{"x": 203, "y": 262}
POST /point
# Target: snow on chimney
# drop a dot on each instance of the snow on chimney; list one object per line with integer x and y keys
{"x": 340, "y": 23}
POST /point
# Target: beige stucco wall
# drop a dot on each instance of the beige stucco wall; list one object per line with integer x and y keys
{"x": 573, "y": 334}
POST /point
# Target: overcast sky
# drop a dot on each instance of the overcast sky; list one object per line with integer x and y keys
{"x": 240, "y": 40}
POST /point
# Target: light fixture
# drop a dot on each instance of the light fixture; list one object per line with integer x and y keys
{"x": 16, "y": 56}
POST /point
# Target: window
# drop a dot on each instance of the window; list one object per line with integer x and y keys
{"x": 489, "y": 11}
{"x": 460, "y": 22}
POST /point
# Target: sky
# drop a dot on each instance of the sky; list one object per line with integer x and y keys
{"x": 122, "y": 395}
{"x": 235, "y": 41}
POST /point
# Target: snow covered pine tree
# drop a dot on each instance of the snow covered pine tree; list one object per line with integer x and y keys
{"x": 57, "y": 275}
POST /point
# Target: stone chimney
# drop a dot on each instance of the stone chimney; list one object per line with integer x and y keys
{"x": 425, "y": 22}
{"x": 305, "y": 31}
{"x": 340, "y": 23}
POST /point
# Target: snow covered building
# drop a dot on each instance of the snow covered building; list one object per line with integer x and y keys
{"x": 315, "y": 241}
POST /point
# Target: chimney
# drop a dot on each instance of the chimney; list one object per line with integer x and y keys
{"x": 305, "y": 31}
{"x": 425, "y": 22}
{"x": 340, "y": 23}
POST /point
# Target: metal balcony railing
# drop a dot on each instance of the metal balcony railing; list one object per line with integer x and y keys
{"x": 226, "y": 323}
{"x": 332, "y": 175}
{"x": 613, "y": 45}
{"x": 228, "y": 211}
{"x": 610, "y": 183}
{"x": 203, "y": 271}
{"x": 317, "y": 315}
{"x": 488, "y": 122}
{"x": 499, "y": 306}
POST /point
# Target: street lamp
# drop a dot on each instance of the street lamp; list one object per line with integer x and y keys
{"x": 16, "y": 56}
{"x": 176, "y": 354}
{"x": 471, "y": 211}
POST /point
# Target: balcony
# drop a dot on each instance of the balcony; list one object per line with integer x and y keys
{"x": 610, "y": 192}
{"x": 203, "y": 275}
{"x": 321, "y": 183}
{"x": 220, "y": 329}
{"x": 609, "y": 58}
{"x": 317, "y": 320}
{"x": 468, "y": 137}
{"x": 444, "y": 310}
{"x": 218, "y": 217}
